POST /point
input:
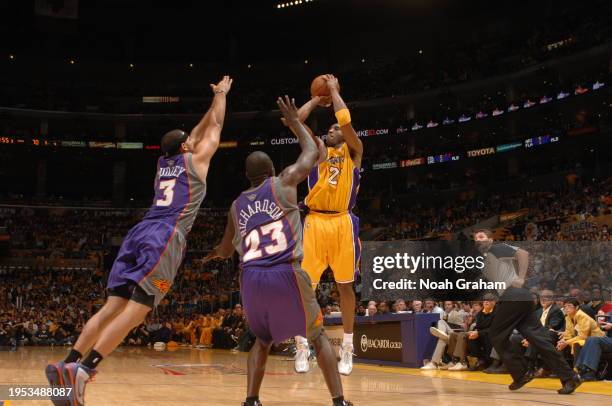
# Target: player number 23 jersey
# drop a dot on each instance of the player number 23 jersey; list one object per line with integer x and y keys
{"x": 334, "y": 183}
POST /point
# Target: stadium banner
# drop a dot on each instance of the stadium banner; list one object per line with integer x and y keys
{"x": 372, "y": 132}
{"x": 37, "y": 142}
{"x": 541, "y": 140}
{"x": 508, "y": 147}
{"x": 448, "y": 157}
{"x": 467, "y": 270}
{"x": 101, "y": 144}
{"x": 130, "y": 145}
{"x": 384, "y": 165}
{"x": 78, "y": 144}
{"x": 480, "y": 152}
{"x": 378, "y": 341}
{"x": 508, "y": 216}
{"x": 161, "y": 99}
{"x": 401, "y": 130}
{"x": 412, "y": 162}
{"x": 284, "y": 141}
{"x": 228, "y": 144}
{"x": 583, "y": 226}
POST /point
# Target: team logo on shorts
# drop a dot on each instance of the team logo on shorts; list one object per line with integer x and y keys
{"x": 163, "y": 285}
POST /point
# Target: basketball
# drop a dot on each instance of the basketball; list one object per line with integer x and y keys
{"x": 318, "y": 87}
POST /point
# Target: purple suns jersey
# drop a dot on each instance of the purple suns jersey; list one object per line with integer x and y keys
{"x": 268, "y": 227}
{"x": 179, "y": 192}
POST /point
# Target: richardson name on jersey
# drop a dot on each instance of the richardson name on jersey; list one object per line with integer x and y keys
{"x": 259, "y": 206}
{"x": 171, "y": 172}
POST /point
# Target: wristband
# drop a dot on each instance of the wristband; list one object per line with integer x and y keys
{"x": 343, "y": 116}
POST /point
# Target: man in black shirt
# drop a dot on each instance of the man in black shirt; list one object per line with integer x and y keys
{"x": 515, "y": 310}
{"x": 479, "y": 343}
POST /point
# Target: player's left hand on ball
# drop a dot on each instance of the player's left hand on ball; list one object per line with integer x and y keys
{"x": 288, "y": 109}
{"x": 324, "y": 101}
{"x": 223, "y": 86}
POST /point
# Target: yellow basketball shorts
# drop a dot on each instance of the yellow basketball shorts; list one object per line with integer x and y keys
{"x": 331, "y": 240}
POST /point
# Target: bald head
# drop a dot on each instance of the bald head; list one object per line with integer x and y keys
{"x": 172, "y": 141}
{"x": 259, "y": 166}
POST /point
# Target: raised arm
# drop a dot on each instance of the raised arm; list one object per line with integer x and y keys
{"x": 205, "y": 136}
{"x": 303, "y": 114}
{"x": 522, "y": 258}
{"x": 225, "y": 248}
{"x": 344, "y": 120}
{"x": 296, "y": 173}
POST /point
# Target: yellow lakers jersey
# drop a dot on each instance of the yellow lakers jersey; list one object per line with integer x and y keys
{"x": 334, "y": 183}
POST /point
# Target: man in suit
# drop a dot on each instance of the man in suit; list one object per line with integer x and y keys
{"x": 551, "y": 317}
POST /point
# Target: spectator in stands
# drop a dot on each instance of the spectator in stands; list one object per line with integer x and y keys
{"x": 361, "y": 309}
{"x": 578, "y": 327}
{"x": 432, "y": 307}
{"x": 43, "y": 337}
{"x": 444, "y": 330}
{"x": 399, "y": 306}
{"x": 452, "y": 315}
{"x": 417, "y": 306}
{"x": 551, "y": 316}
{"x": 589, "y": 358}
{"x": 372, "y": 310}
{"x": 479, "y": 344}
{"x": 383, "y": 308}
{"x": 227, "y": 335}
{"x": 216, "y": 320}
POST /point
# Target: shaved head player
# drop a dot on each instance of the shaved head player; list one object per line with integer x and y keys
{"x": 264, "y": 227}
{"x": 152, "y": 251}
{"x": 331, "y": 230}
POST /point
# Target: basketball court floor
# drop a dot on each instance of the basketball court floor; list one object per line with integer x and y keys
{"x": 142, "y": 376}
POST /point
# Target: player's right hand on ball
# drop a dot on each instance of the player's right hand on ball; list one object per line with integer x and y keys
{"x": 332, "y": 83}
{"x": 223, "y": 86}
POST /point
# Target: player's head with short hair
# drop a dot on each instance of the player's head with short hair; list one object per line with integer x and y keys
{"x": 259, "y": 167}
{"x": 484, "y": 239}
{"x": 175, "y": 142}
{"x": 334, "y": 136}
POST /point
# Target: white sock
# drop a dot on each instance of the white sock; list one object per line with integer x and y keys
{"x": 348, "y": 339}
{"x": 299, "y": 340}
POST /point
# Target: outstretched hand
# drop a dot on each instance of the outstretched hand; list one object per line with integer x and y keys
{"x": 223, "y": 86}
{"x": 288, "y": 109}
{"x": 212, "y": 255}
